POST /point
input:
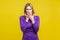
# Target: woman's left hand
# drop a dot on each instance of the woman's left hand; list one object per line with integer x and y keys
{"x": 32, "y": 18}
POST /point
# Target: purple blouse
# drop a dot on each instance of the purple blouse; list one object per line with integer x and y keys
{"x": 29, "y": 30}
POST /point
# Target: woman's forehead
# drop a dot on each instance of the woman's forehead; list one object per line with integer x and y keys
{"x": 28, "y": 7}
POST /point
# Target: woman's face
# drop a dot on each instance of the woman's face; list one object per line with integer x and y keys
{"x": 29, "y": 10}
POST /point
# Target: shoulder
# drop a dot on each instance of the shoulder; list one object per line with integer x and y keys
{"x": 36, "y": 17}
{"x": 22, "y": 17}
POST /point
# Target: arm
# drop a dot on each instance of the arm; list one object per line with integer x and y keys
{"x": 36, "y": 24}
{"x": 23, "y": 24}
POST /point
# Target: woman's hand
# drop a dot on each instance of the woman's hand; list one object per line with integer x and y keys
{"x": 31, "y": 17}
{"x": 27, "y": 18}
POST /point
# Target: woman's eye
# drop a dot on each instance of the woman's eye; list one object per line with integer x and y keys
{"x": 28, "y": 9}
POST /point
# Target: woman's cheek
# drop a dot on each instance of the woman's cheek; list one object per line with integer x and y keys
{"x": 29, "y": 12}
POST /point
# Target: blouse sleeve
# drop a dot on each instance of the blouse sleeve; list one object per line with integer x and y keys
{"x": 23, "y": 24}
{"x": 36, "y": 24}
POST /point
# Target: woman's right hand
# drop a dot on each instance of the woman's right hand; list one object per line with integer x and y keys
{"x": 27, "y": 18}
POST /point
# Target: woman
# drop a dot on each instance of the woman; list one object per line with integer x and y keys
{"x": 29, "y": 23}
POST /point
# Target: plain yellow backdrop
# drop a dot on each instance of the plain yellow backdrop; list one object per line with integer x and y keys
{"x": 47, "y": 10}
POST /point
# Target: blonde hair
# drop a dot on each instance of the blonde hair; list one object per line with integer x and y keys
{"x": 28, "y": 4}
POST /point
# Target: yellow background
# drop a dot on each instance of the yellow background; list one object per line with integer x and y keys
{"x": 48, "y": 10}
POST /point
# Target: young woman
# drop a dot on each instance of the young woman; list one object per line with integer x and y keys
{"x": 29, "y": 23}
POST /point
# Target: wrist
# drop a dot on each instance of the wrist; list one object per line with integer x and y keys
{"x": 33, "y": 22}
